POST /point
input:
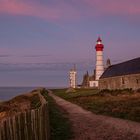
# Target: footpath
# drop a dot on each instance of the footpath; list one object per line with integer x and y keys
{"x": 89, "y": 126}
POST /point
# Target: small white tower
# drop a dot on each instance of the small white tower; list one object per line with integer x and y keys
{"x": 99, "y": 59}
{"x": 72, "y": 77}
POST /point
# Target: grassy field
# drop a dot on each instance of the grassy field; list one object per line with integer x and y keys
{"x": 119, "y": 103}
{"x": 59, "y": 123}
{"x": 75, "y": 94}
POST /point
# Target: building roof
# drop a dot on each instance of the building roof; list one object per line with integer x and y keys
{"x": 125, "y": 68}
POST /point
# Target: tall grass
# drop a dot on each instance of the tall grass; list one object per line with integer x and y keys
{"x": 59, "y": 123}
{"x": 123, "y": 104}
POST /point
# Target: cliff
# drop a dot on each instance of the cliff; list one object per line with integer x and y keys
{"x": 25, "y": 117}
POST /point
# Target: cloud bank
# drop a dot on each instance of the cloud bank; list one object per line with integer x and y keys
{"x": 70, "y": 9}
{"x": 43, "y": 11}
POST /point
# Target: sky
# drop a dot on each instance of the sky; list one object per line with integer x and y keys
{"x": 40, "y": 40}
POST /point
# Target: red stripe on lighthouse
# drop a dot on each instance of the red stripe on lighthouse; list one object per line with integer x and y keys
{"x": 99, "y": 47}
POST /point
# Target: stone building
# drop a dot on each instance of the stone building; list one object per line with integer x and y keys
{"x": 87, "y": 80}
{"x": 121, "y": 76}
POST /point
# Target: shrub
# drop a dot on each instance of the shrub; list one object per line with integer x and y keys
{"x": 115, "y": 92}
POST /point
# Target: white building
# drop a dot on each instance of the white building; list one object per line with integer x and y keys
{"x": 72, "y": 77}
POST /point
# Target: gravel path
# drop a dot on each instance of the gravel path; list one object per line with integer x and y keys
{"x": 88, "y": 126}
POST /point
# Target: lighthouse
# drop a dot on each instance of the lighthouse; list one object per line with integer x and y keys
{"x": 72, "y": 77}
{"x": 99, "y": 68}
{"x": 99, "y": 59}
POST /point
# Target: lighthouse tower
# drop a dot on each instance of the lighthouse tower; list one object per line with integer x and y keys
{"x": 99, "y": 59}
{"x": 72, "y": 77}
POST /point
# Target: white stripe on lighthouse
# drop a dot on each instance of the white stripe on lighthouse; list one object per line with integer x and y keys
{"x": 99, "y": 64}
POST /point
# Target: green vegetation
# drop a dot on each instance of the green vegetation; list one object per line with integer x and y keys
{"x": 116, "y": 103}
{"x": 59, "y": 123}
{"x": 35, "y": 101}
{"x": 78, "y": 93}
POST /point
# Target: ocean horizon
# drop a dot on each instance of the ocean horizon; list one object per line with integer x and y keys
{"x": 7, "y": 93}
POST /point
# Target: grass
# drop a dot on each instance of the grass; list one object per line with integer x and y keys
{"x": 78, "y": 93}
{"x": 59, "y": 123}
{"x": 123, "y": 104}
{"x": 35, "y": 101}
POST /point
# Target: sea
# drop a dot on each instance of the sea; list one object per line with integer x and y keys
{"x": 7, "y": 93}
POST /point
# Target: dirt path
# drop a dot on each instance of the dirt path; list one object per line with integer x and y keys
{"x": 88, "y": 126}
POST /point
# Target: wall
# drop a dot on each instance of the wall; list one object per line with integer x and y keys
{"x": 120, "y": 82}
{"x": 93, "y": 83}
{"x": 28, "y": 125}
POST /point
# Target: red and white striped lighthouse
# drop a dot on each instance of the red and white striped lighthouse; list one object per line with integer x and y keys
{"x": 99, "y": 59}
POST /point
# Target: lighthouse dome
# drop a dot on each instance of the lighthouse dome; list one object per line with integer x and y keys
{"x": 99, "y": 46}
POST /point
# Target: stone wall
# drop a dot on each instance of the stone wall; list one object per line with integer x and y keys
{"x": 120, "y": 82}
{"x": 30, "y": 124}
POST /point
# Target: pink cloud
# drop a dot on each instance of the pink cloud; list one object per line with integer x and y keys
{"x": 20, "y": 8}
{"x": 48, "y": 12}
{"x": 114, "y": 7}
{"x": 71, "y": 9}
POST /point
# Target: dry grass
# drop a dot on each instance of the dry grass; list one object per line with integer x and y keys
{"x": 19, "y": 104}
{"x": 120, "y": 103}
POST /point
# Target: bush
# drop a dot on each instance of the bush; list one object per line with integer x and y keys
{"x": 115, "y": 92}
{"x": 35, "y": 101}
